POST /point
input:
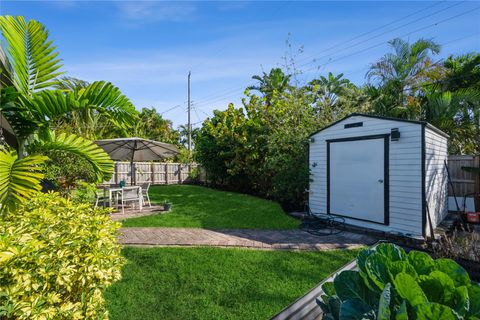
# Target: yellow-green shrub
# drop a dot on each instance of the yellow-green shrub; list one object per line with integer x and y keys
{"x": 56, "y": 258}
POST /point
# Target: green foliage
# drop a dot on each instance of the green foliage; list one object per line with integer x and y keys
{"x": 19, "y": 178}
{"x": 271, "y": 84}
{"x": 56, "y": 259}
{"x": 263, "y": 147}
{"x": 65, "y": 169}
{"x": 151, "y": 125}
{"x": 31, "y": 104}
{"x": 391, "y": 284}
{"x": 99, "y": 160}
{"x": 83, "y": 192}
{"x": 34, "y": 60}
{"x": 225, "y": 149}
{"x": 410, "y": 85}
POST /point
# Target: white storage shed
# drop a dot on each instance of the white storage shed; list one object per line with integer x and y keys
{"x": 380, "y": 173}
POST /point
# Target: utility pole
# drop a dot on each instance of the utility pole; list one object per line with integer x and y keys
{"x": 189, "y": 124}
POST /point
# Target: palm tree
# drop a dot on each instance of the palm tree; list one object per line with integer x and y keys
{"x": 30, "y": 103}
{"x": 399, "y": 76}
{"x": 275, "y": 81}
{"x": 91, "y": 122}
{"x": 456, "y": 113}
{"x": 406, "y": 65}
{"x": 329, "y": 88}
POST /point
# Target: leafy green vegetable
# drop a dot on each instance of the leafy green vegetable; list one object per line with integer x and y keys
{"x": 474, "y": 294}
{"x": 409, "y": 289}
{"x": 401, "y": 312}
{"x": 393, "y": 253}
{"x": 438, "y": 286}
{"x": 421, "y": 262}
{"x": 434, "y": 311}
{"x": 461, "y": 300}
{"x": 328, "y": 288}
{"x": 393, "y": 285}
{"x": 377, "y": 269}
{"x": 349, "y": 285}
{"x": 384, "y": 304}
{"x": 356, "y": 309}
{"x": 454, "y": 271}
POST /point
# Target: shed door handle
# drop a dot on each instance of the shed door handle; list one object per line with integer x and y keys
{"x": 380, "y": 180}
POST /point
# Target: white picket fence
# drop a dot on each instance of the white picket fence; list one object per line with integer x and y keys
{"x": 153, "y": 172}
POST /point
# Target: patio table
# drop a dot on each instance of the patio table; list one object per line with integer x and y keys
{"x": 112, "y": 191}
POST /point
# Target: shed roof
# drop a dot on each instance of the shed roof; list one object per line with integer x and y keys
{"x": 423, "y": 123}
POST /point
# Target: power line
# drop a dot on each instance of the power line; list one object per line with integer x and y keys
{"x": 404, "y": 35}
{"x": 196, "y": 113}
{"x": 445, "y": 43}
{"x": 201, "y": 111}
{"x": 219, "y": 97}
{"x": 388, "y": 31}
{"x": 220, "y": 93}
{"x": 373, "y": 30}
{"x": 170, "y": 109}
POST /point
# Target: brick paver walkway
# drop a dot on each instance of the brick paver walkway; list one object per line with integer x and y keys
{"x": 134, "y": 213}
{"x": 246, "y": 238}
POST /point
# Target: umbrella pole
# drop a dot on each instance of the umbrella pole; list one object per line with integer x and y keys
{"x": 132, "y": 166}
{"x": 132, "y": 170}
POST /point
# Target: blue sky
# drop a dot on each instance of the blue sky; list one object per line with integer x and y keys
{"x": 147, "y": 47}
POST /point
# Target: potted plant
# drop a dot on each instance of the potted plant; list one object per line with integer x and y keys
{"x": 167, "y": 206}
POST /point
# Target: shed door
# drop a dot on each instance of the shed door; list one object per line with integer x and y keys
{"x": 357, "y": 178}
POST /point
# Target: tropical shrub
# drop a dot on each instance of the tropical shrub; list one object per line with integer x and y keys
{"x": 83, "y": 192}
{"x": 56, "y": 258}
{"x": 263, "y": 147}
{"x": 65, "y": 169}
{"x": 391, "y": 284}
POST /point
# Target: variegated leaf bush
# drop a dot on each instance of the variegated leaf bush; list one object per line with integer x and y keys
{"x": 56, "y": 258}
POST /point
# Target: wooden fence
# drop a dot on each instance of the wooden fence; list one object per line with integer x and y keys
{"x": 155, "y": 172}
{"x": 464, "y": 182}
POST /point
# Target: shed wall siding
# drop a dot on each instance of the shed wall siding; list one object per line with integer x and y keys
{"x": 436, "y": 188}
{"x": 405, "y": 171}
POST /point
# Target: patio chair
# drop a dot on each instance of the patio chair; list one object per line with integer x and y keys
{"x": 145, "y": 197}
{"x": 100, "y": 197}
{"x": 131, "y": 194}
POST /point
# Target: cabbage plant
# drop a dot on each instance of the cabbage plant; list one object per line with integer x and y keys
{"x": 391, "y": 284}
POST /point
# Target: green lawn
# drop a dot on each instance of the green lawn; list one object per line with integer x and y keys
{"x": 215, "y": 283}
{"x": 200, "y": 207}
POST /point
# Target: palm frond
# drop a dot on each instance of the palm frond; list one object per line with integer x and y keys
{"x": 19, "y": 178}
{"x": 108, "y": 100}
{"x": 99, "y": 159}
{"x": 32, "y": 56}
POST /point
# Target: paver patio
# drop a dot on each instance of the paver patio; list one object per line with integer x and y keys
{"x": 244, "y": 238}
{"x": 134, "y": 213}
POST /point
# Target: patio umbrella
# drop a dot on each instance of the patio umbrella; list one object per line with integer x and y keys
{"x": 136, "y": 149}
